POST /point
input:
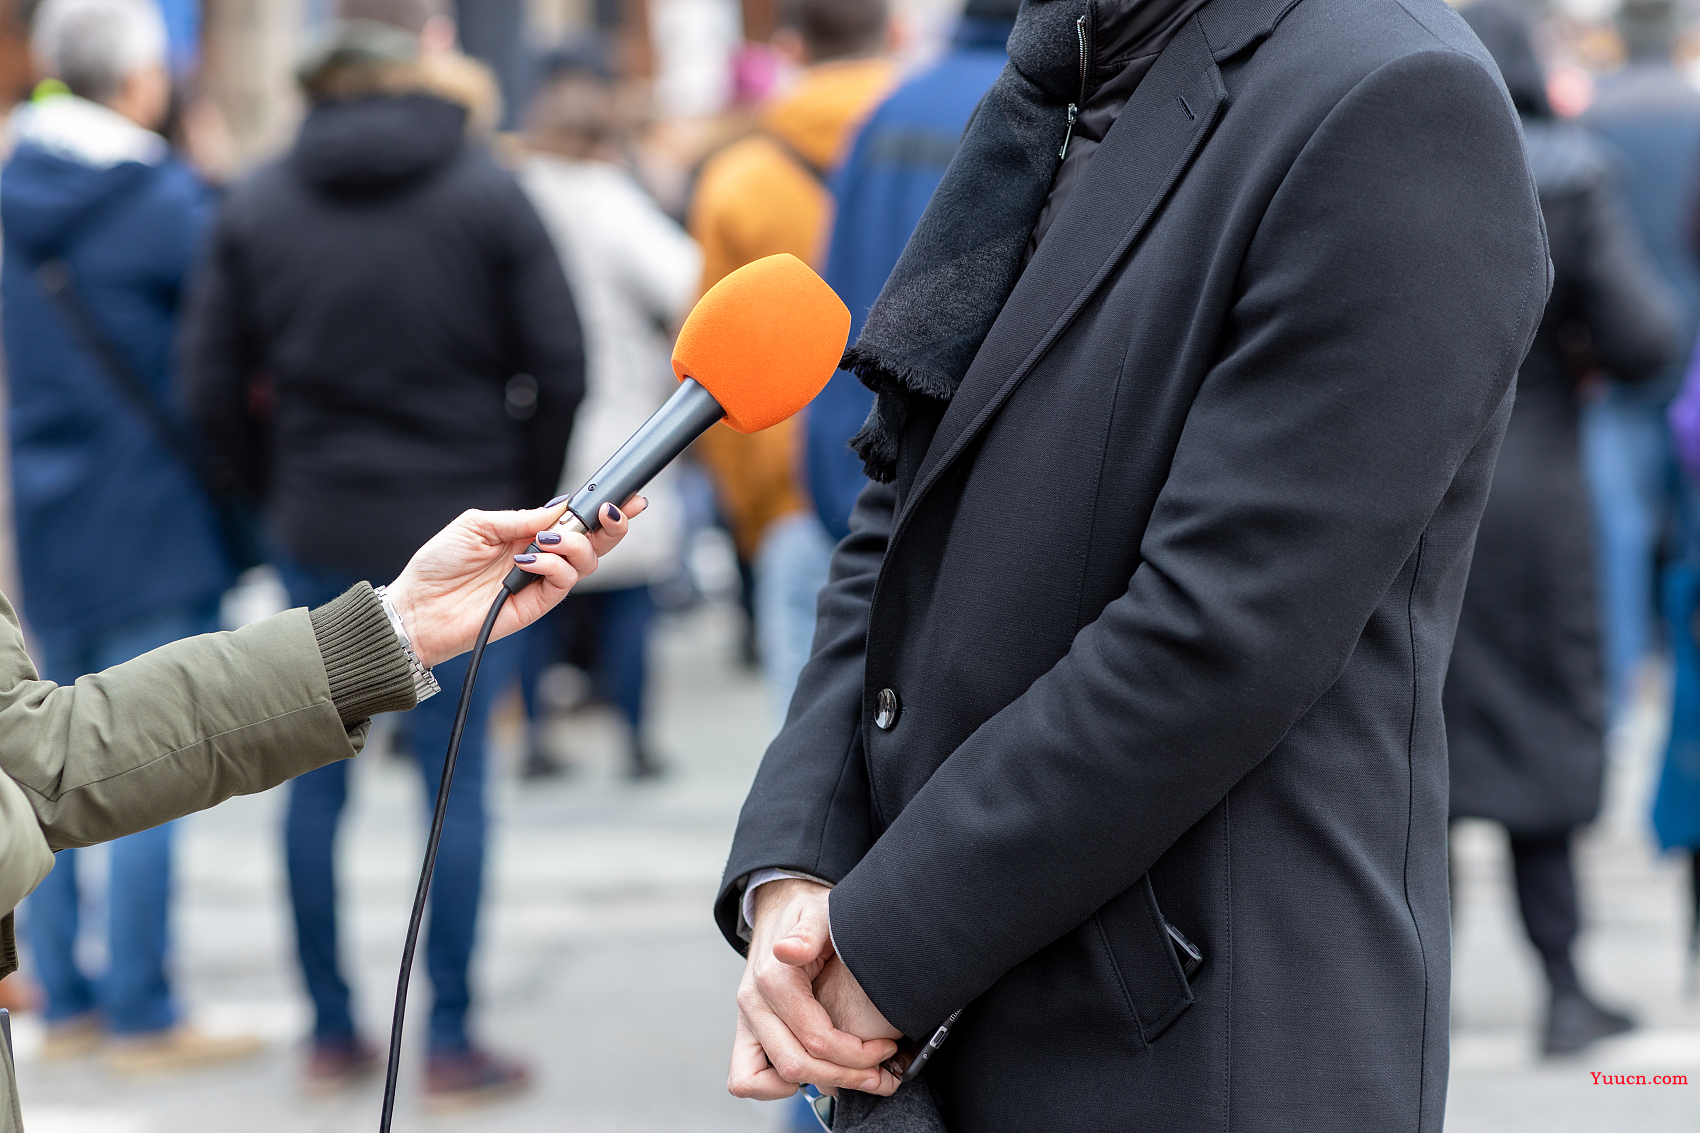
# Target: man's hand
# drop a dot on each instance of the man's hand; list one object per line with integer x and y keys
{"x": 785, "y": 1036}
{"x": 848, "y": 1006}
{"x": 444, "y": 592}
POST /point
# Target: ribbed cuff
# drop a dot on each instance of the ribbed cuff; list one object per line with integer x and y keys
{"x": 363, "y": 658}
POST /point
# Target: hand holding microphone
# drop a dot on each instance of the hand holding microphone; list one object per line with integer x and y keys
{"x": 444, "y": 592}
{"x": 756, "y": 349}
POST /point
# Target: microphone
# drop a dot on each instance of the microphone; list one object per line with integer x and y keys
{"x": 756, "y": 349}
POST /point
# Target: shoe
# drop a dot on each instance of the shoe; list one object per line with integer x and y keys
{"x": 644, "y": 766}
{"x": 1574, "y": 1021}
{"x": 179, "y": 1048}
{"x": 539, "y": 764}
{"x": 336, "y": 1065}
{"x": 472, "y": 1077}
{"x": 71, "y": 1038}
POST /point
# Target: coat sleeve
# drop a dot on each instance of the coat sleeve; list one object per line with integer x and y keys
{"x": 808, "y": 808}
{"x": 1383, "y": 307}
{"x": 174, "y": 731}
{"x": 219, "y": 363}
{"x": 550, "y": 347}
{"x": 24, "y": 854}
{"x": 662, "y": 265}
{"x": 1630, "y": 313}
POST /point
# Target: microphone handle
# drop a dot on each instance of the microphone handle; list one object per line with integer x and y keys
{"x": 669, "y": 431}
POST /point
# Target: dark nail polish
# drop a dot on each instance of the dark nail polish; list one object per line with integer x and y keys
{"x": 614, "y": 515}
{"x": 548, "y": 538}
{"x": 528, "y": 557}
{"x": 557, "y": 501}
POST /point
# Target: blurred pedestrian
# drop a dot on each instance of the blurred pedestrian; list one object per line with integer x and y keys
{"x": 96, "y": 206}
{"x": 633, "y": 272}
{"x": 1524, "y": 695}
{"x": 763, "y": 194}
{"x": 897, "y": 160}
{"x": 391, "y": 300}
{"x": 1650, "y": 115}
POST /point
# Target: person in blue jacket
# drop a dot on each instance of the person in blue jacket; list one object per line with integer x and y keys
{"x": 895, "y": 164}
{"x": 92, "y": 185}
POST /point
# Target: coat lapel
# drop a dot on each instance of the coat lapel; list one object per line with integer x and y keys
{"x": 1141, "y": 158}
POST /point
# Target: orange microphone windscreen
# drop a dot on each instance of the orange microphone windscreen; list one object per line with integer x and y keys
{"x": 763, "y": 341}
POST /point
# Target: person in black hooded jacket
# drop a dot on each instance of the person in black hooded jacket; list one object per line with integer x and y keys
{"x": 1524, "y": 698}
{"x": 390, "y": 299}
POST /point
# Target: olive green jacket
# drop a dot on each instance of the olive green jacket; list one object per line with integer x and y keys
{"x": 178, "y": 730}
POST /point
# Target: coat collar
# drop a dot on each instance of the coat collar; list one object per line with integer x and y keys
{"x": 1138, "y": 164}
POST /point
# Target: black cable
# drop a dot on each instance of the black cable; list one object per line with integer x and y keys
{"x": 435, "y": 837}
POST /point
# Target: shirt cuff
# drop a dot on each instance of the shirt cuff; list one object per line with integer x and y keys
{"x": 757, "y": 878}
{"x": 364, "y": 661}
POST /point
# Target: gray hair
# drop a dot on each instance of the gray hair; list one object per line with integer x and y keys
{"x": 91, "y": 45}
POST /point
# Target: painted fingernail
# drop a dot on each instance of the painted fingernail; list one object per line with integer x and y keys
{"x": 548, "y": 538}
{"x": 614, "y": 515}
{"x": 528, "y": 557}
{"x": 557, "y": 501}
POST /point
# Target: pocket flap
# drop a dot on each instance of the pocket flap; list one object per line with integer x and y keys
{"x": 1136, "y": 937}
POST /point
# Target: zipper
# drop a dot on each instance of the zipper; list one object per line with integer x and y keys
{"x": 1074, "y": 107}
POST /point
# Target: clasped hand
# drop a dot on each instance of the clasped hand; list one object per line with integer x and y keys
{"x": 443, "y": 594}
{"x": 802, "y": 1016}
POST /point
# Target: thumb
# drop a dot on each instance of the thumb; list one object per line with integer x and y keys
{"x": 809, "y": 940}
{"x": 512, "y": 526}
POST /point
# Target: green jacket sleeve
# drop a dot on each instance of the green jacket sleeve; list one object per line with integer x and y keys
{"x": 188, "y": 725}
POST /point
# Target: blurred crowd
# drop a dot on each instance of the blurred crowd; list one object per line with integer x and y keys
{"x": 456, "y": 287}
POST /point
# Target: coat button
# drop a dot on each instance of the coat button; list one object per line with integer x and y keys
{"x": 886, "y": 710}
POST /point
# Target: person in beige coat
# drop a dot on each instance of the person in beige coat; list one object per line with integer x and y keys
{"x": 190, "y": 724}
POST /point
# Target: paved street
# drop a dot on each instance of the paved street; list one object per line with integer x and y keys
{"x": 600, "y": 962}
{"x": 1631, "y": 956}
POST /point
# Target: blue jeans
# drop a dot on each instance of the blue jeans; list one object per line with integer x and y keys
{"x": 792, "y": 564}
{"x": 134, "y": 996}
{"x": 1632, "y": 471}
{"x": 620, "y": 621}
{"x": 315, "y": 807}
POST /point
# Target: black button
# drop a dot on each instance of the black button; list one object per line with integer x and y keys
{"x": 886, "y": 710}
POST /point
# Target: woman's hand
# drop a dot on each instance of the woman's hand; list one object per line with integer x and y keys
{"x": 444, "y": 593}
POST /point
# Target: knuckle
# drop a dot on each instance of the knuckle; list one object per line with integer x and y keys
{"x": 790, "y": 1067}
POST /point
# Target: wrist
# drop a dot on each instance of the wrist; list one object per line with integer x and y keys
{"x": 777, "y": 894}
{"x": 425, "y": 685}
{"x": 399, "y": 603}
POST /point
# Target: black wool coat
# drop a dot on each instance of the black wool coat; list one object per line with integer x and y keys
{"x": 1165, "y": 598}
{"x": 1525, "y": 718}
{"x": 381, "y": 335}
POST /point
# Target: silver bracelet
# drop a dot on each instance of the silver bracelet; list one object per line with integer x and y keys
{"x": 425, "y": 685}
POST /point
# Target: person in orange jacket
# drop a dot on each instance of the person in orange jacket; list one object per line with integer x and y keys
{"x": 764, "y": 194}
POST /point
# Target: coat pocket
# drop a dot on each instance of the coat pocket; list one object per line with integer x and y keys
{"x": 1142, "y": 959}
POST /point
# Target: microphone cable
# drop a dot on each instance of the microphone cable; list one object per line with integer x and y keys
{"x": 431, "y": 842}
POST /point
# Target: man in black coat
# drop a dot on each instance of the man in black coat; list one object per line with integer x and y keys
{"x": 1152, "y": 623}
{"x": 390, "y": 300}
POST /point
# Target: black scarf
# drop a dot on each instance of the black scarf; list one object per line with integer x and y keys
{"x": 996, "y": 199}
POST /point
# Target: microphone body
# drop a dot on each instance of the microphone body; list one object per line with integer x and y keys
{"x": 754, "y": 350}
{"x": 669, "y": 431}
